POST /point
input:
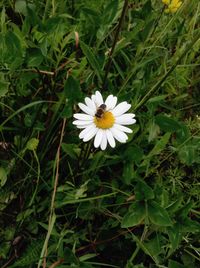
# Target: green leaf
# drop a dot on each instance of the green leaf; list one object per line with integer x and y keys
{"x": 158, "y": 215}
{"x": 174, "y": 206}
{"x": 143, "y": 191}
{"x": 34, "y": 57}
{"x": 182, "y": 133}
{"x": 166, "y": 123}
{"x": 12, "y": 53}
{"x": 184, "y": 211}
{"x": 72, "y": 90}
{"x": 3, "y": 176}
{"x": 70, "y": 257}
{"x": 175, "y": 264}
{"x": 92, "y": 60}
{"x": 127, "y": 172}
{"x": 190, "y": 226}
{"x": 175, "y": 237}
{"x": 160, "y": 145}
{"x": 188, "y": 154}
{"x": 108, "y": 17}
{"x": 3, "y": 88}
{"x": 154, "y": 245}
{"x": 133, "y": 153}
{"x": 71, "y": 149}
{"x": 30, "y": 256}
{"x": 135, "y": 216}
{"x": 157, "y": 99}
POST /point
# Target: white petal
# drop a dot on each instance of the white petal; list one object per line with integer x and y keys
{"x": 93, "y": 98}
{"x": 104, "y": 141}
{"x": 122, "y": 128}
{"x": 121, "y": 108}
{"x": 110, "y": 102}
{"x": 89, "y": 135}
{"x": 119, "y": 135}
{"x": 81, "y": 123}
{"x": 110, "y": 138}
{"x": 90, "y": 103}
{"x": 85, "y": 131}
{"x": 83, "y": 117}
{"x": 86, "y": 109}
{"x": 125, "y": 119}
{"x": 99, "y": 99}
{"x": 98, "y": 138}
{"x": 82, "y": 126}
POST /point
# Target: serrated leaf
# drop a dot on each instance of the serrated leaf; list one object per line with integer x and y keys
{"x": 30, "y": 256}
{"x": 158, "y": 215}
{"x": 135, "y": 216}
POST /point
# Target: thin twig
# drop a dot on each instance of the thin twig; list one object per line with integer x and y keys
{"x": 114, "y": 42}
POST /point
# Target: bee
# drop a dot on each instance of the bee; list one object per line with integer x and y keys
{"x": 100, "y": 111}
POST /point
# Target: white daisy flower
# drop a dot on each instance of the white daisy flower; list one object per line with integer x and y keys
{"x": 104, "y": 120}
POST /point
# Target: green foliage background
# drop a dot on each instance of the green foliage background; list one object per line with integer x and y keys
{"x": 64, "y": 203}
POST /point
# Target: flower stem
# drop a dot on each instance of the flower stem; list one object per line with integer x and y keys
{"x": 114, "y": 42}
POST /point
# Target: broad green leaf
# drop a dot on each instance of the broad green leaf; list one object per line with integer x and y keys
{"x": 154, "y": 245}
{"x": 166, "y": 123}
{"x": 158, "y": 215}
{"x": 72, "y": 90}
{"x": 34, "y": 57}
{"x": 71, "y": 149}
{"x": 175, "y": 264}
{"x": 133, "y": 153}
{"x": 12, "y": 54}
{"x": 135, "y": 216}
{"x": 92, "y": 60}
{"x": 143, "y": 191}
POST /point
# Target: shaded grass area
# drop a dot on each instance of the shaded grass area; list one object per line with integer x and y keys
{"x": 64, "y": 203}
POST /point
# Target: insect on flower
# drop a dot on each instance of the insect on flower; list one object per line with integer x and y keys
{"x": 100, "y": 111}
{"x": 104, "y": 121}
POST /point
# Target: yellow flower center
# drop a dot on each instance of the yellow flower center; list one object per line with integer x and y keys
{"x": 106, "y": 121}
